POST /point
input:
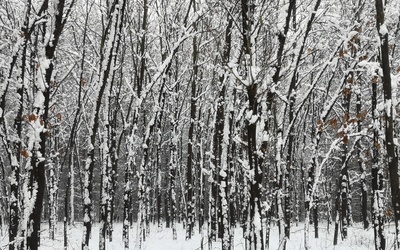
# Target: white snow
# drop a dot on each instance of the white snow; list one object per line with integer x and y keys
{"x": 358, "y": 239}
{"x": 352, "y": 34}
{"x": 39, "y": 100}
{"x": 383, "y": 30}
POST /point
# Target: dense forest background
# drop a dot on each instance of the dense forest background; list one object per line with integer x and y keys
{"x": 214, "y": 114}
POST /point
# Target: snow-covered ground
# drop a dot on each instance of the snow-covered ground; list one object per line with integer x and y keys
{"x": 358, "y": 239}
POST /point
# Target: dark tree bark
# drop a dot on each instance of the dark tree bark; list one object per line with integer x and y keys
{"x": 114, "y": 22}
{"x": 256, "y": 235}
{"x": 173, "y": 164}
{"x": 344, "y": 184}
{"x": 289, "y": 158}
{"x": 285, "y": 223}
{"x": 220, "y": 223}
{"x": 224, "y": 228}
{"x": 158, "y": 162}
{"x": 68, "y": 205}
{"x": 190, "y": 199}
{"x": 343, "y": 188}
{"x": 110, "y": 167}
{"x": 216, "y": 226}
{"x": 143, "y": 182}
{"x": 14, "y": 150}
{"x": 360, "y": 118}
{"x": 337, "y": 219}
{"x": 377, "y": 177}
{"x": 361, "y": 164}
{"x": 53, "y": 164}
{"x": 389, "y": 132}
{"x": 37, "y": 168}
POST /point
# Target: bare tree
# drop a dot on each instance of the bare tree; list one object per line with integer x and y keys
{"x": 389, "y": 113}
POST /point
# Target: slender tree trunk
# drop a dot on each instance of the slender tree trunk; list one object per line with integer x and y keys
{"x": 389, "y": 132}
{"x": 112, "y": 172}
{"x": 173, "y": 165}
{"x": 108, "y": 51}
{"x": 104, "y": 184}
{"x": 41, "y": 112}
{"x": 142, "y": 213}
{"x": 255, "y": 225}
{"x": 201, "y": 177}
{"x": 190, "y": 200}
{"x": 127, "y": 210}
{"x": 337, "y": 219}
{"x": 315, "y": 215}
{"x": 52, "y": 198}
{"x": 216, "y": 225}
{"x": 283, "y": 203}
{"x": 377, "y": 177}
{"x": 344, "y": 175}
{"x": 67, "y": 204}
{"x": 14, "y": 152}
{"x": 361, "y": 164}
{"x": 256, "y": 232}
{"x": 232, "y": 172}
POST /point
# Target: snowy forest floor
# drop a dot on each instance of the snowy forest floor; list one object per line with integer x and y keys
{"x": 162, "y": 239}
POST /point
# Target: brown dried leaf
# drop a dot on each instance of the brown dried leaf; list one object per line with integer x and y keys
{"x": 32, "y": 118}
{"x": 346, "y": 91}
{"x": 388, "y": 212}
{"x": 361, "y": 116}
{"x": 346, "y": 139}
{"x": 363, "y": 58}
{"x": 53, "y": 84}
{"x": 346, "y": 118}
{"x": 25, "y": 153}
{"x": 320, "y": 125}
{"x": 353, "y": 120}
{"x": 333, "y": 122}
{"x": 350, "y": 80}
{"x": 375, "y": 80}
{"x": 47, "y": 134}
{"x": 340, "y": 134}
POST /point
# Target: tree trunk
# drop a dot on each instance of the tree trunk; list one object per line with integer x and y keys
{"x": 173, "y": 165}
{"x": 377, "y": 177}
{"x": 255, "y": 225}
{"x": 344, "y": 184}
{"x": 108, "y": 51}
{"x": 41, "y": 112}
{"x": 389, "y": 133}
{"x": 216, "y": 225}
{"x": 190, "y": 199}
{"x": 361, "y": 164}
{"x": 14, "y": 152}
